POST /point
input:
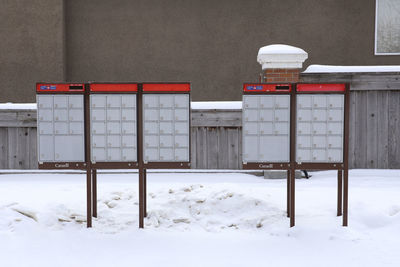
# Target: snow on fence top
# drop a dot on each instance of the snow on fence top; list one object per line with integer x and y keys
{"x": 194, "y": 105}
{"x": 17, "y": 106}
{"x": 344, "y": 69}
{"x": 217, "y": 105}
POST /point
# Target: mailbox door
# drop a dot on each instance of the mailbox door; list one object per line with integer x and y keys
{"x": 166, "y": 127}
{"x": 320, "y": 124}
{"x": 113, "y": 127}
{"x": 266, "y": 128}
{"x": 60, "y": 128}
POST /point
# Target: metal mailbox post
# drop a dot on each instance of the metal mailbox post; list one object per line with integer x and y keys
{"x": 267, "y": 128}
{"x": 113, "y": 129}
{"x": 164, "y": 131}
{"x": 322, "y": 127}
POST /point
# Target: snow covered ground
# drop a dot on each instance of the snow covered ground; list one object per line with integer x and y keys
{"x": 199, "y": 219}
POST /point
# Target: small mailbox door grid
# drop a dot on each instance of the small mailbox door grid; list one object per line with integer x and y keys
{"x": 266, "y": 128}
{"x": 319, "y": 128}
{"x": 166, "y": 127}
{"x": 60, "y": 128}
{"x": 113, "y": 127}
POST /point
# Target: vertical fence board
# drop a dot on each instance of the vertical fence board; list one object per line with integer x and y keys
{"x": 239, "y": 138}
{"x": 372, "y": 129}
{"x": 394, "y": 130}
{"x": 4, "y": 148}
{"x": 193, "y": 148}
{"x": 360, "y": 141}
{"x": 233, "y": 148}
{"x": 212, "y": 148}
{"x": 222, "y": 148}
{"x": 383, "y": 130}
{"x": 12, "y": 148}
{"x": 353, "y": 130}
{"x": 201, "y": 151}
{"x": 22, "y": 159}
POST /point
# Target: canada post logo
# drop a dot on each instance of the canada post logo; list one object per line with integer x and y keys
{"x": 48, "y": 87}
{"x": 254, "y": 87}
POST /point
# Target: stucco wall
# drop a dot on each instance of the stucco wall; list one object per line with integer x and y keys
{"x": 211, "y": 43}
{"x": 31, "y": 46}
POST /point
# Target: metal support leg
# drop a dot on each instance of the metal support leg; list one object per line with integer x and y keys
{"x": 141, "y": 193}
{"x": 339, "y": 192}
{"x": 288, "y": 193}
{"x": 145, "y": 192}
{"x": 292, "y": 197}
{"x": 345, "y": 195}
{"x": 94, "y": 190}
{"x": 88, "y": 197}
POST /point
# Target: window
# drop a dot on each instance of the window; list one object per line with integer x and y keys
{"x": 387, "y": 27}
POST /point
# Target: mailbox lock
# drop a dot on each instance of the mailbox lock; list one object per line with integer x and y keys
{"x": 315, "y": 118}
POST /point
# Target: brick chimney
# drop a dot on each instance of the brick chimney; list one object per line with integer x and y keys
{"x": 281, "y": 63}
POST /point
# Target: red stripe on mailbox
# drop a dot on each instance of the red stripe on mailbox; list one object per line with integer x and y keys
{"x": 60, "y": 87}
{"x": 113, "y": 87}
{"x": 325, "y": 87}
{"x": 260, "y": 87}
{"x": 166, "y": 87}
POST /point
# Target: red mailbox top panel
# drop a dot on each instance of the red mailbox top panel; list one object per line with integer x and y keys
{"x": 260, "y": 87}
{"x": 166, "y": 87}
{"x": 113, "y": 87}
{"x": 60, "y": 87}
{"x": 323, "y": 87}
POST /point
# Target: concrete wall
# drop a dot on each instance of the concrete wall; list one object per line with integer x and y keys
{"x": 211, "y": 43}
{"x": 31, "y": 47}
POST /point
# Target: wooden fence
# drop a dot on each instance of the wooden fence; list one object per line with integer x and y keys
{"x": 217, "y": 134}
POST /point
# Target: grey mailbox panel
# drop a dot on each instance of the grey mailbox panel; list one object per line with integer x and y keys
{"x": 266, "y": 128}
{"x": 319, "y": 128}
{"x": 60, "y": 128}
{"x": 113, "y": 127}
{"x": 166, "y": 127}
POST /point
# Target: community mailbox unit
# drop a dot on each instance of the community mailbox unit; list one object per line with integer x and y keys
{"x": 320, "y": 123}
{"x": 297, "y": 127}
{"x": 113, "y": 125}
{"x": 166, "y": 125}
{"x": 60, "y": 124}
{"x": 266, "y": 126}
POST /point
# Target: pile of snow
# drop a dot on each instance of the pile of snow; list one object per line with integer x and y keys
{"x": 199, "y": 219}
{"x": 350, "y": 69}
